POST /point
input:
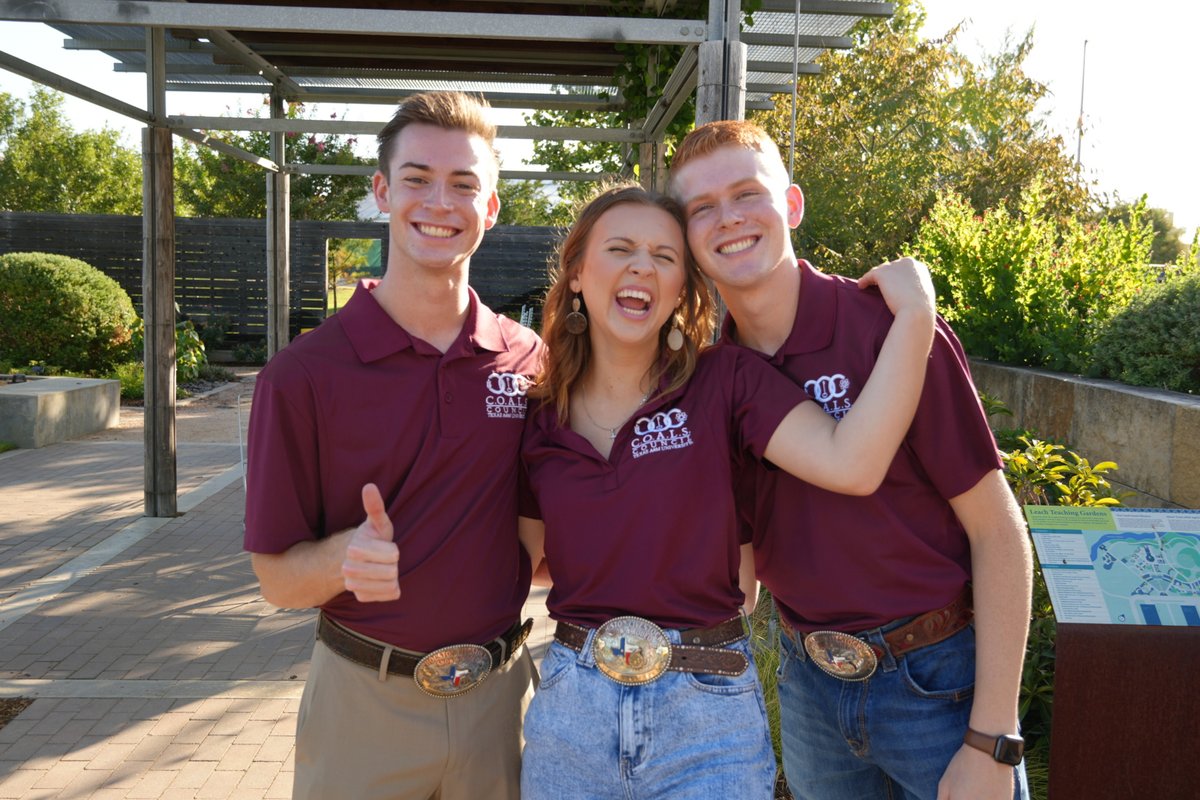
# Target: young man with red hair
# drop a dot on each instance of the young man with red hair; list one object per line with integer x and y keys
{"x": 904, "y": 613}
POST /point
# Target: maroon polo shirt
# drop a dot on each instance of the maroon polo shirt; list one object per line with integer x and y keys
{"x": 652, "y": 530}
{"x": 853, "y": 563}
{"x": 359, "y": 400}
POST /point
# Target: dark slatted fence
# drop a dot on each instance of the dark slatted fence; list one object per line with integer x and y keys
{"x": 220, "y": 264}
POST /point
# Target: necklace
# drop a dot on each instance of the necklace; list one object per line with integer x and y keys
{"x": 612, "y": 432}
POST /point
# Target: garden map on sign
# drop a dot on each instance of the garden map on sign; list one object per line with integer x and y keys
{"x": 1120, "y": 566}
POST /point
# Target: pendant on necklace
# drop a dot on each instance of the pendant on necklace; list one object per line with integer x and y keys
{"x": 612, "y": 434}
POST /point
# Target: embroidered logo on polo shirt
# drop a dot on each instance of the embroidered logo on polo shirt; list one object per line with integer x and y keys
{"x": 657, "y": 433}
{"x": 829, "y": 391}
{"x": 506, "y": 398}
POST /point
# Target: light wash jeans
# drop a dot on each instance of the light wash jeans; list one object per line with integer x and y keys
{"x": 890, "y": 736}
{"x": 685, "y": 736}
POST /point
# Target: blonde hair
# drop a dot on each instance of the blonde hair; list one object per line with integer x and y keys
{"x": 452, "y": 111}
{"x": 568, "y": 354}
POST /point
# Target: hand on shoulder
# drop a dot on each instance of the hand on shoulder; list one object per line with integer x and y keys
{"x": 905, "y": 285}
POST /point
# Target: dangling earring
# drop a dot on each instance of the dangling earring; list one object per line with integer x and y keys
{"x": 675, "y": 336}
{"x": 576, "y": 322}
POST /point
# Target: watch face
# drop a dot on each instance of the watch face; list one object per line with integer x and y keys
{"x": 1009, "y": 750}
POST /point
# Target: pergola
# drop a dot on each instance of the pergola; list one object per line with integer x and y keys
{"x": 533, "y": 54}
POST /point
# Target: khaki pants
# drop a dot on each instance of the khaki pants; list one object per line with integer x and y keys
{"x": 360, "y": 738}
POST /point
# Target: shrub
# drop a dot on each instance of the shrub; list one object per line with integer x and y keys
{"x": 190, "y": 356}
{"x": 1156, "y": 340}
{"x": 60, "y": 310}
{"x": 132, "y": 378}
{"x": 1026, "y": 288}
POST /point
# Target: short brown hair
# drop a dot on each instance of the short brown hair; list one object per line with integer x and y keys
{"x": 453, "y": 111}
{"x": 725, "y": 133}
{"x": 568, "y": 354}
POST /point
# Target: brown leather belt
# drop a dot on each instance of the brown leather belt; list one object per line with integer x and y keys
{"x": 701, "y": 650}
{"x": 928, "y": 628}
{"x": 353, "y": 647}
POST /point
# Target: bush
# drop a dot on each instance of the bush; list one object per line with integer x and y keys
{"x": 1025, "y": 288}
{"x": 60, "y": 310}
{"x": 132, "y": 378}
{"x": 1156, "y": 340}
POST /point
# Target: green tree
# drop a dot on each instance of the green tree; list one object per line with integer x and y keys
{"x": 217, "y": 185}
{"x": 527, "y": 203}
{"x": 897, "y": 119}
{"x": 45, "y": 165}
{"x": 1167, "y": 246}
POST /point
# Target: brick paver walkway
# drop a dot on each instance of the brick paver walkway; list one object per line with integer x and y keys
{"x": 157, "y": 669}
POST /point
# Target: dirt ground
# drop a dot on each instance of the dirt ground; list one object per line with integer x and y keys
{"x": 209, "y": 417}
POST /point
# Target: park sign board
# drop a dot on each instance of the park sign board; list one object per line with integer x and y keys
{"x": 1119, "y": 566}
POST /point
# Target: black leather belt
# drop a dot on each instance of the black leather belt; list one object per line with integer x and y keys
{"x": 353, "y": 647}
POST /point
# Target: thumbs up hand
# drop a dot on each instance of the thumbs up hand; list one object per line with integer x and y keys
{"x": 371, "y": 567}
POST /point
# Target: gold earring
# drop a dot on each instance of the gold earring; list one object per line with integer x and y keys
{"x": 577, "y": 323}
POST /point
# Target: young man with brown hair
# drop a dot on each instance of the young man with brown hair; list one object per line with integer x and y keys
{"x": 382, "y": 489}
{"x": 893, "y": 681}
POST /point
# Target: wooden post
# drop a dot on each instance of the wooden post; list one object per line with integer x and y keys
{"x": 278, "y": 243}
{"x": 158, "y": 312}
{"x": 158, "y": 289}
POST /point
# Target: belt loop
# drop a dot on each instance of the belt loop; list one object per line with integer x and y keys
{"x": 500, "y": 640}
{"x": 384, "y": 663}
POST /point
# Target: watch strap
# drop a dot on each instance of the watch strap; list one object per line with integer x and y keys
{"x": 1006, "y": 749}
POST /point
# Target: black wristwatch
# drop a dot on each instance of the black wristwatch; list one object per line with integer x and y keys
{"x": 1005, "y": 748}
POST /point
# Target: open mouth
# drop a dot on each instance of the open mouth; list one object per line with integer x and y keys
{"x": 737, "y": 246}
{"x": 634, "y": 301}
{"x": 436, "y": 231}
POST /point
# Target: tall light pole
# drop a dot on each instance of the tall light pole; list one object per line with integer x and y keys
{"x": 1079, "y": 124}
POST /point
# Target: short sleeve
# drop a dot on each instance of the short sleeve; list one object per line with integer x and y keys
{"x": 950, "y": 434}
{"x": 762, "y": 397}
{"x": 283, "y": 481}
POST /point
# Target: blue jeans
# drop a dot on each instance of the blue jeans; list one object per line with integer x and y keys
{"x": 685, "y": 736}
{"x": 890, "y": 736}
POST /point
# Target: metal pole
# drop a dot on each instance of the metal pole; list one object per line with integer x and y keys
{"x": 1079, "y": 124}
{"x": 795, "y": 90}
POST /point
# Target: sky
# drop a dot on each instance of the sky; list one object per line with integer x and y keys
{"x": 1139, "y": 99}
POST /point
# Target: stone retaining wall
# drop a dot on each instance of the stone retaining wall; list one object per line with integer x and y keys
{"x": 1153, "y": 435}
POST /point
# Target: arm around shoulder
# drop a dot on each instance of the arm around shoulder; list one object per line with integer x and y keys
{"x": 853, "y": 456}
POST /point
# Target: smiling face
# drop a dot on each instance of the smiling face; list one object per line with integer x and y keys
{"x": 631, "y": 274}
{"x": 740, "y": 208}
{"x": 440, "y": 196}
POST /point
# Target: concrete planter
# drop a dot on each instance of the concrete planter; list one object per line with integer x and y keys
{"x": 1153, "y": 435}
{"x": 43, "y": 411}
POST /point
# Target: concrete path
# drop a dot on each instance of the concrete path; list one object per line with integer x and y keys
{"x": 155, "y": 668}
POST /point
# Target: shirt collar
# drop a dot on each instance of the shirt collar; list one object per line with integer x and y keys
{"x": 374, "y": 335}
{"x": 816, "y": 311}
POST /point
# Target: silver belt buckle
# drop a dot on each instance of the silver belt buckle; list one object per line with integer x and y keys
{"x": 453, "y": 671}
{"x": 841, "y": 655}
{"x": 631, "y": 650}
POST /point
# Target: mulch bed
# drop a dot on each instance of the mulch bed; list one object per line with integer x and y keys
{"x": 10, "y": 707}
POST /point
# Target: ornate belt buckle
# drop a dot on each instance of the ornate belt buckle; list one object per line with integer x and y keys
{"x": 631, "y": 650}
{"x": 453, "y": 671}
{"x": 841, "y": 655}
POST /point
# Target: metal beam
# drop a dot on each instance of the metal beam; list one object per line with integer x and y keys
{"x": 505, "y": 174}
{"x": 230, "y": 45}
{"x": 338, "y": 126}
{"x": 366, "y": 22}
{"x": 782, "y": 67}
{"x": 43, "y": 76}
{"x": 788, "y": 40}
{"x": 846, "y": 8}
{"x": 390, "y": 97}
{"x": 135, "y": 45}
{"x": 678, "y": 89}
{"x": 210, "y": 141}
